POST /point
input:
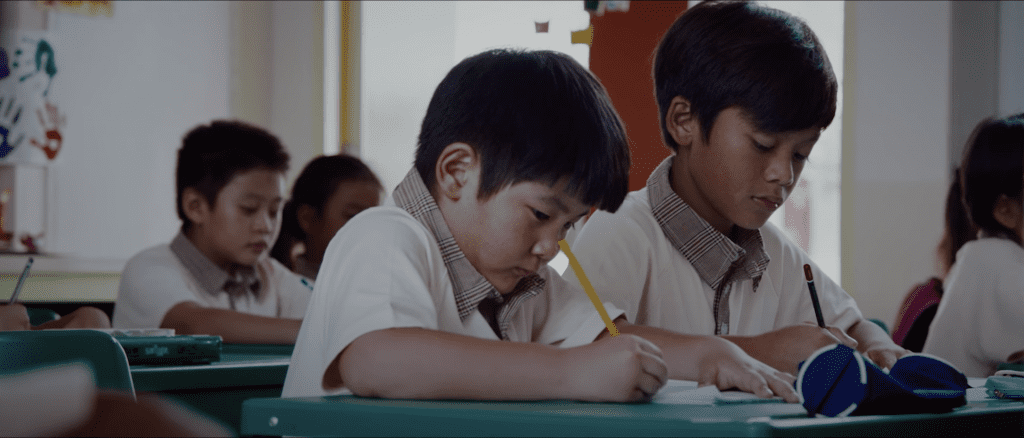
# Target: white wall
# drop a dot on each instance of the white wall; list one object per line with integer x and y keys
{"x": 408, "y": 47}
{"x": 895, "y": 151}
{"x": 130, "y": 86}
{"x": 296, "y": 96}
{"x": 1011, "y": 58}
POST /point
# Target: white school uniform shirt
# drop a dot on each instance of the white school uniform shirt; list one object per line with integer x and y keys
{"x": 398, "y": 266}
{"x": 158, "y": 278}
{"x": 667, "y": 267}
{"x": 980, "y": 318}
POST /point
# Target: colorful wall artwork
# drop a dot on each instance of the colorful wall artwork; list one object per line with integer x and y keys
{"x": 30, "y": 117}
{"x": 90, "y": 8}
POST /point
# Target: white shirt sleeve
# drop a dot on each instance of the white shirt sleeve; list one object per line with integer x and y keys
{"x": 786, "y": 269}
{"x": 612, "y": 250}
{"x": 992, "y": 283}
{"x": 292, "y": 292}
{"x": 151, "y": 284}
{"x": 375, "y": 275}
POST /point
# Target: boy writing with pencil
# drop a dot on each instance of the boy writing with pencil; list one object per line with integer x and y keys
{"x": 445, "y": 292}
{"x": 743, "y": 93}
{"x": 215, "y": 277}
{"x": 14, "y": 316}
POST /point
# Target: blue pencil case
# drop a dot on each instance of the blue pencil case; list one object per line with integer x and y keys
{"x": 837, "y": 381}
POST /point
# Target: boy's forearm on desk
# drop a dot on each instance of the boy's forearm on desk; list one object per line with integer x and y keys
{"x": 682, "y": 353}
{"x": 429, "y": 364}
{"x": 232, "y": 326}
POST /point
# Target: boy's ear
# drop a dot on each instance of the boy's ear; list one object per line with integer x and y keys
{"x": 307, "y": 217}
{"x": 454, "y": 164}
{"x": 680, "y": 122}
{"x": 196, "y": 208}
{"x": 1008, "y": 212}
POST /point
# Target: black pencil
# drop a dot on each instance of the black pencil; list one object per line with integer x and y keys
{"x": 814, "y": 295}
{"x": 21, "y": 282}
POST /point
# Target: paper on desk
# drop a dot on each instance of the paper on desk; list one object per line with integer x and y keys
{"x": 685, "y": 392}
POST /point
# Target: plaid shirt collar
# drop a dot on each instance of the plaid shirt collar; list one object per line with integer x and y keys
{"x": 211, "y": 277}
{"x": 710, "y": 252}
{"x": 471, "y": 288}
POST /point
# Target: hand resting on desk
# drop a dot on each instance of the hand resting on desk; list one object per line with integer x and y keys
{"x": 785, "y": 348}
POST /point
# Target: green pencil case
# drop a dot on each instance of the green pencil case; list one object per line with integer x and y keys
{"x": 1006, "y": 384}
{"x": 171, "y": 350}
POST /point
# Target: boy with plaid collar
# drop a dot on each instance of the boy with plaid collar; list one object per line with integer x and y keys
{"x": 445, "y": 291}
{"x": 215, "y": 277}
{"x": 743, "y": 92}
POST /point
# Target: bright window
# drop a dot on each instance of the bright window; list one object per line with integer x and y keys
{"x": 811, "y": 215}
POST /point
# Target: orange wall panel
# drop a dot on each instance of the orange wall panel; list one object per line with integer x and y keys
{"x": 621, "y": 55}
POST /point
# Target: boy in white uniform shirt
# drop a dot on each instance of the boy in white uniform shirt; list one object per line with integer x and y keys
{"x": 215, "y": 277}
{"x": 743, "y": 92}
{"x": 445, "y": 291}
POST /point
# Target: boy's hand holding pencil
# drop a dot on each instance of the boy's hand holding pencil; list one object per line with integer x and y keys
{"x": 14, "y": 317}
{"x": 617, "y": 369}
{"x": 625, "y": 368}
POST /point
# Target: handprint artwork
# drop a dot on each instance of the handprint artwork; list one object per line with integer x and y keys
{"x": 9, "y": 116}
{"x": 25, "y": 86}
{"x": 53, "y": 141}
{"x": 44, "y": 63}
{"x": 5, "y": 70}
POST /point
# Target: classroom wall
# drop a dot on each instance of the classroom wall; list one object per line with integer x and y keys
{"x": 974, "y": 70}
{"x": 895, "y": 148}
{"x": 408, "y": 47}
{"x": 296, "y": 94}
{"x": 1011, "y": 58}
{"x": 920, "y": 75}
{"x": 132, "y": 84}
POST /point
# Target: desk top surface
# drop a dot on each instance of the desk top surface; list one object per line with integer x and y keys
{"x": 241, "y": 365}
{"x": 350, "y": 415}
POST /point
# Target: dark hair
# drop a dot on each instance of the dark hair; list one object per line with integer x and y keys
{"x": 211, "y": 155}
{"x": 959, "y": 229}
{"x": 531, "y": 116}
{"x": 314, "y": 186}
{"x": 992, "y": 166}
{"x": 769, "y": 63}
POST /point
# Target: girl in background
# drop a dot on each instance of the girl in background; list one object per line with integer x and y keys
{"x": 978, "y": 323}
{"x": 330, "y": 190}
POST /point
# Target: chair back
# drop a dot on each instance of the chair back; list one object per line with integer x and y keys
{"x": 916, "y": 314}
{"x": 30, "y": 349}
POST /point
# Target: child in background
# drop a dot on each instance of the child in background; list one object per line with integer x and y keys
{"x": 445, "y": 292}
{"x": 978, "y": 324}
{"x": 329, "y": 191}
{"x": 215, "y": 276}
{"x": 919, "y": 307}
{"x": 743, "y": 93}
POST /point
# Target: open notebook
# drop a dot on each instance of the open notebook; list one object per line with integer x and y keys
{"x": 685, "y": 392}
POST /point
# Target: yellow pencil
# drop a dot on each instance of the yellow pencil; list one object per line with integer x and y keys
{"x": 587, "y": 287}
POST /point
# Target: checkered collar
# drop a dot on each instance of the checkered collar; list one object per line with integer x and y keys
{"x": 710, "y": 252}
{"x": 212, "y": 279}
{"x": 470, "y": 286}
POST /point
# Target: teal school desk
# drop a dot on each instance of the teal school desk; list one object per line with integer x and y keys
{"x": 219, "y": 388}
{"x": 356, "y": 416}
